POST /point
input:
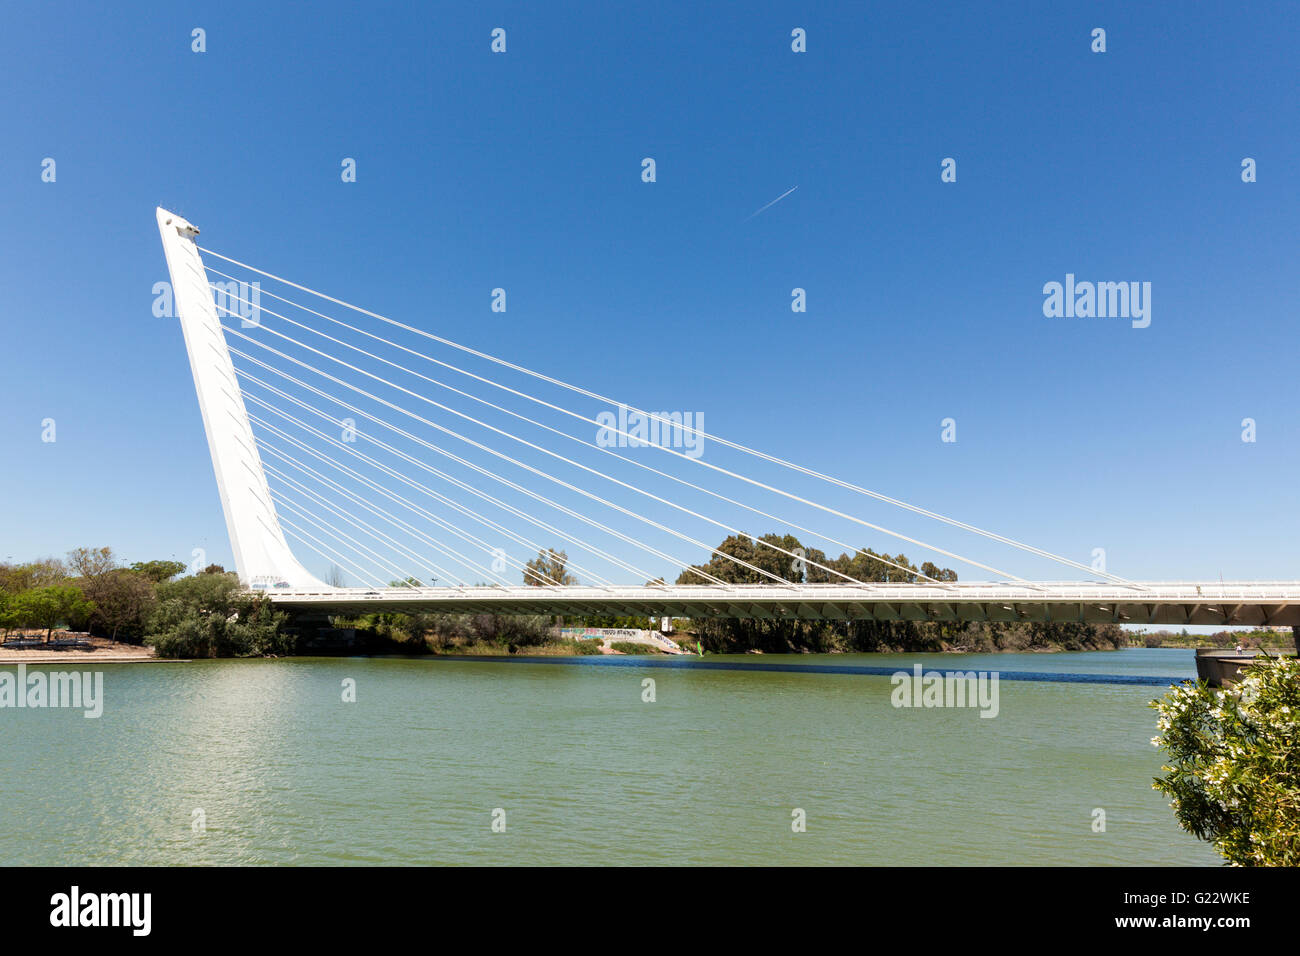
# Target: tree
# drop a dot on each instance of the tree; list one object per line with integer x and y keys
{"x": 1234, "y": 762}
{"x": 743, "y": 559}
{"x": 91, "y": 562}
{"x": 49, "y": 606}
{"x": 123, "y": 599}
{"x": 35, "y": 608}
{"x": 867, "y": 565}
{"x": 549, "y": 567}
{"x": 158, "y": 571}
{"x": 35, "y": 574}
{"x": 334, "y": 578}
{"x": 932, "y": 570}
{"x": 721, "y": 566}
{"x": 814, "y": 568}
{"x": 209, "y": 615}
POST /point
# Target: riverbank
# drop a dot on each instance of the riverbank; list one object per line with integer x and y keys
{"x": 596, "y": 647}
{"x": 101, "y": 650}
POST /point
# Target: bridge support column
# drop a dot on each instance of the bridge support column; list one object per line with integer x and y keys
{"x": 262, "y": 556}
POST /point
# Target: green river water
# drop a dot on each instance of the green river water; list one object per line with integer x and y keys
{"x": 280, "y": 770}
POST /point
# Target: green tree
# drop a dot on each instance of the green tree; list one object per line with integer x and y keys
{"x": 123, "y": 600}
{"x": 158, "y": 571}
{"x": 34, "y": 574}
{"x": 814, "y": 568}
{"x": 8, "y": 617}
{"x": 209, "y": 615}
{"x": 740, "y": 547}
{"x": 931, "y": 570}
{"x": 1233, "y": 776}
{"x": 49, "y": 607}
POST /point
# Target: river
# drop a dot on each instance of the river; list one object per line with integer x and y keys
{"x": 263, "y": 762}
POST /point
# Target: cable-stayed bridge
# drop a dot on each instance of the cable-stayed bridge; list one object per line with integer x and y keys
{"x": 420, "y": 478}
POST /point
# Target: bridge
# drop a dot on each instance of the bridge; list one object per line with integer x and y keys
{"x": 352, "y": 474}
{"x": 1173, "y": 604}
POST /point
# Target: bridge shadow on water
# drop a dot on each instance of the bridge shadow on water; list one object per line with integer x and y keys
{"x": 695, "y": 663}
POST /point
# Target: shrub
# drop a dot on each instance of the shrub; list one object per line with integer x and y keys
{"x": 209, "y": 616}
{"x": 1234, "y": 763}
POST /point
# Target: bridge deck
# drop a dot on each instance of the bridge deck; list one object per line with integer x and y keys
{"x": 1177, "y": 604}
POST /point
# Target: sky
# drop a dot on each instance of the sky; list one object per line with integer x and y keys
{"x": 523, "y": 170}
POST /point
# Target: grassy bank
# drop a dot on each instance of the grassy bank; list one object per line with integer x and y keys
{"x": 1282, "y": 641}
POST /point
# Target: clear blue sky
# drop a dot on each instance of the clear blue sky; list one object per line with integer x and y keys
{"x": 523, "y": 171}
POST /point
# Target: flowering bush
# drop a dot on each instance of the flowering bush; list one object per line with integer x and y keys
{"x": 1234, "y": 762}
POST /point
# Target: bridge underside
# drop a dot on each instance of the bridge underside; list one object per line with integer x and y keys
{"x": 1174, "y": 605}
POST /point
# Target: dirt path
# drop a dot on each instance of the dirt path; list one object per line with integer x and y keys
{"x": 102, "y": 650}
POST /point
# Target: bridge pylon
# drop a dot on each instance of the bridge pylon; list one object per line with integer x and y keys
{"x": 262, "y": 556}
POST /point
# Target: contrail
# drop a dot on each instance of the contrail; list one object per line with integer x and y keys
{"x": 774, "y": 201}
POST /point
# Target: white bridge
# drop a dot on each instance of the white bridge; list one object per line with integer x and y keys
{"x": 1171, "y": 604}
{"x": 359, "y": 483}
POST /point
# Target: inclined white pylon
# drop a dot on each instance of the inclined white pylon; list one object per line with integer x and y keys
{"x": 262, "y": 555}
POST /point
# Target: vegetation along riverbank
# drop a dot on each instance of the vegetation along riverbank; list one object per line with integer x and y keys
{"x": 156, "y": 606}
